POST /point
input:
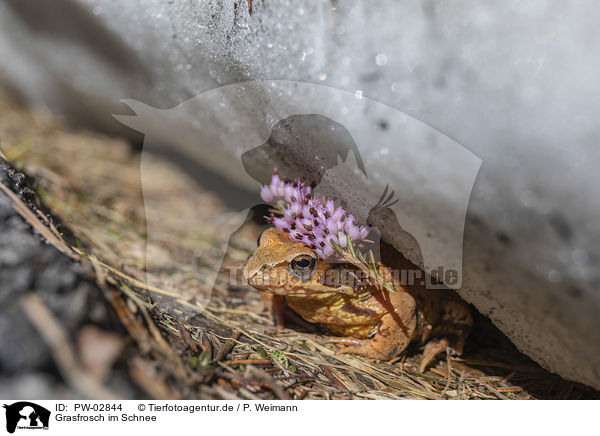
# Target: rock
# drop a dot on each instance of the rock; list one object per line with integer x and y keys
{"x": 513, "y": 85}
{"x": 27, "y": 264}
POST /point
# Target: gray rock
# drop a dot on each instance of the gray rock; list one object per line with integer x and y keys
{"x": 514, "y": 84}
{"x": 27, "y": 264}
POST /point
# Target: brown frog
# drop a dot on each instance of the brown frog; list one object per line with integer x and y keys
{"x": 368, "y": 321}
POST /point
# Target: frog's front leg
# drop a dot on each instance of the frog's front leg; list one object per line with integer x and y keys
{"x": 282, "y": 313}
{"x": 276, "y": 306}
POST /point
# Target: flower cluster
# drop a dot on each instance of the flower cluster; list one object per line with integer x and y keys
{"x": 310, "y": 219}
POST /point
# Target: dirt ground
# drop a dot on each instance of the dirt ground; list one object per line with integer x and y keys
{"x": 79, "y": 317}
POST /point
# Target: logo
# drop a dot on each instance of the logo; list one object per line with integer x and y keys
{"x": 26, "y": 415}
{"x": 347, "y": 147}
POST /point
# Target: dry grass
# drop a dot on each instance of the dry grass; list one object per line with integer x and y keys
{"x": 228, "y": 349}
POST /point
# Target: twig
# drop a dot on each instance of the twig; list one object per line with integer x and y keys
{"x": 187, "y": 338}
{"x": 449, "y": 378}
{"x": 227, "y": 347}
{"x": 35, "y": 217}
{"x": 255, "y": 373}
{"x": 249, "y": 362}
{"x": 333, "y": 379}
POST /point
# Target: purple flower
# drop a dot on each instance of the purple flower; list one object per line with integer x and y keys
{"x": 329, "y": 207}
{"x": 338, "y": 214}
{"x": 353, "y": 232}
{"x": 290, "y": 193}
{"x": 295, "y": 209}
{"x": 343, "y": 241}
{"x": 327, "y": 251}
{"x": 281, "y": 223}
{"x": 307, "y": 241}
{"x": 320, "y": 231}
{"x": 306, "y": 211}
{"x": 305, "y": 223}
{"x": 332, "y": 226}
{"x": 312, "y": 220}
{"x": 266, "y": 194}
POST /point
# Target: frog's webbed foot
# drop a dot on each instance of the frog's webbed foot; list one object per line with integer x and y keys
{"x": 436, "y": 346}
{"x": 343, "y": 341}
{"x": 450, "y": 335}
{"x": 388, "y": 341}
{"x": 349, "y": 345}
{"x": 432, "y": 349}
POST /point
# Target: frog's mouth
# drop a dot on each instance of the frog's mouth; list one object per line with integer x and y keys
{"x": 283, "y": 287}
{"x": 286, "y": 284}
{"x": 295, "y": 288}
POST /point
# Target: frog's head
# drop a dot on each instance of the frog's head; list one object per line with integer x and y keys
{"x": 284, "y": 267}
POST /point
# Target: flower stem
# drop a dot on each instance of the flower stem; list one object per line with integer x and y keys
{"x": 370, "y": 267}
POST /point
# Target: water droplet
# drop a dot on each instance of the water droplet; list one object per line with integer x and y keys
{"x": 381, "y": 59}
{"x": 358, "y": 94}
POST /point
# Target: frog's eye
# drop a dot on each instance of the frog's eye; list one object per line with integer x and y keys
{"x": 302, "y": 266}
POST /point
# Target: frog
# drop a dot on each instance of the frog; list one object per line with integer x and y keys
{"x": 360, "y": 317}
